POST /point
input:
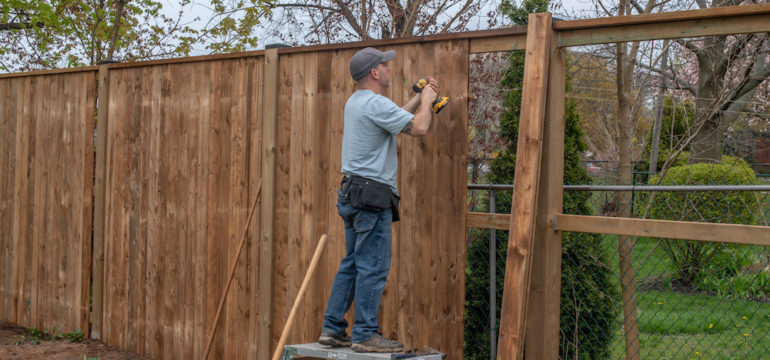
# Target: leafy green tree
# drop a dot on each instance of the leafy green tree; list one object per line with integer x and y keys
{"x": 587, "y": 315}
{"x": 45, "y": 34}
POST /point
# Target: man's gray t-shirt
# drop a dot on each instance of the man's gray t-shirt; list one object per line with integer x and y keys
{"x": 369, "y": 146}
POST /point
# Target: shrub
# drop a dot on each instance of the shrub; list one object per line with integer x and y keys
{"x": 692, "y": 258}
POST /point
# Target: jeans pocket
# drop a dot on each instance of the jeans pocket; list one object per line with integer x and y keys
{"x": 364, "y": 221}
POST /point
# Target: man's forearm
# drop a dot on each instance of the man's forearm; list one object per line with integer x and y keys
{"x": 422, "y": 118}
{"x": 413, "y": 103}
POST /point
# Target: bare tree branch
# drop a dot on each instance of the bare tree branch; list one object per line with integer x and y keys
{"x": 345, "y": 10}
{"x": 669, "y": 76}
{"x": 299, "y": 5}
{"x": 414, "y": 10}
{"x": 689, "y": 45}
{"x": 462, "y": 11}
{"x": 21, "y": 26}
{"x": 735, "y": 51}
{"x": 433, "y": 17}
{"x": 637, "y": 6}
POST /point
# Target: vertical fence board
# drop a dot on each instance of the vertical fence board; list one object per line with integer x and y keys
{"x": 425, "y": 270}
{"x": 408, "y": 180}
{"x": 341, "y": 86}
{"x": 217, "y": 200}
{"x": 306, "y": 162}
{"x": 519, "y": 254}
{"x": 257, "y": 167}
{"x": 154, "y": 293}
{"x": 8, "y": 244}
{"x": 199, "y": 256}
{"x": 324, "y": 194}
{"x": 282, "y": 256}
{"x": 22, "y": 209}
{"x": 542, "y": 334}
{"x": 266, "y": 154}
{"x": 99, "y": 198}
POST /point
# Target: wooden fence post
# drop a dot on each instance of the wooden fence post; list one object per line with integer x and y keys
{"x": 99, "y": 201}
{"x": 542, "y": 337}
{"x": 525, "y": 193}
{"x": 267, "y": 213}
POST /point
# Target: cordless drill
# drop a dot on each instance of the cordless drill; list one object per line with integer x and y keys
{"x": 439, "y": 103}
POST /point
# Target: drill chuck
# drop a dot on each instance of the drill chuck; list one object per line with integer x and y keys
{"x": 419, "y": 85}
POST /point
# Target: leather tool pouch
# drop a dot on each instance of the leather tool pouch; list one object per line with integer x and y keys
{"x": 369, "y": 195}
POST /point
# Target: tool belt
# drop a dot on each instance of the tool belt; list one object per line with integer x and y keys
{"x": 370, "y": 195}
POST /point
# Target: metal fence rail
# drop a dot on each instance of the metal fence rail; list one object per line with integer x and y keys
{"x": 692, "y": 188}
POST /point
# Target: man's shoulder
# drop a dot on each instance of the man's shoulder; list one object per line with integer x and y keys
{"x": 367, "y": 96}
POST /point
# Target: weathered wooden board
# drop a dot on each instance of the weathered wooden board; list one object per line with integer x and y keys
{"x": 182, "y": 152}
{"x": 178, "y": 181}
{"x": 46, "y": 187}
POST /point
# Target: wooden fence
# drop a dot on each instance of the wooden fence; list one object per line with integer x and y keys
{"x": 46, "y": 172}
{"x": 183, "y": 160}
{"x": 184, "y": 144}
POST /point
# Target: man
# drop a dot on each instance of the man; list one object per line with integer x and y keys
{"x": 368, "y": 198}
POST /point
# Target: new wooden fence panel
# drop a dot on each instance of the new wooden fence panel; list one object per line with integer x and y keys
{"x": 183, "y": 158}
{"x": 429, "y": 256}
{"x": 178, "y": 191}
{"x": 46, "y": 184}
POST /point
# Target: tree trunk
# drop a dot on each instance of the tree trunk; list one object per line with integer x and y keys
{"x": 707, "y": 143}
{"x": 116, "y": 28}
{"x": 625, "y": 69}
{"x": 658, "y": 114}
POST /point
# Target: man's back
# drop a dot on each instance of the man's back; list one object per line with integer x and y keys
{"x": 369, "y": 147}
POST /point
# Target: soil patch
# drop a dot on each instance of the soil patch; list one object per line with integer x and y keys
{"x": 14, "y": 347}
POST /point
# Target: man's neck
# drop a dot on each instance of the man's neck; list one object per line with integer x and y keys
{"x": 374, "y": 87}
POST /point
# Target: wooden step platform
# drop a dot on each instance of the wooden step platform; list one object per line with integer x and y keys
{"x": 317, "y": 350}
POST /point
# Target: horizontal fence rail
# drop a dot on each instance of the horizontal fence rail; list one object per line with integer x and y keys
{"x": 703, "y": 231}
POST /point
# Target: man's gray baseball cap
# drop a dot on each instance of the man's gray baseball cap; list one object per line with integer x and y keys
{"x": 367, "y": 59}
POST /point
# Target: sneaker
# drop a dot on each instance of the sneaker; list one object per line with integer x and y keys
{"x": 329, "y": 338}
{"x": 377, "y": 343}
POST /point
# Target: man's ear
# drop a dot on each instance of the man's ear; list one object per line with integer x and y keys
{"x": 375, "y": 74}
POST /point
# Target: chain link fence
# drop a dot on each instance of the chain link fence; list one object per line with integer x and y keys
{"x": 693, "y": 299}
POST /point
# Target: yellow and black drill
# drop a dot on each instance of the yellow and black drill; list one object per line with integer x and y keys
{"x": 439, "y": 103}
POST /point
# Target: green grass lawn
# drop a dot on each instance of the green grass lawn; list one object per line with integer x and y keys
{"x": 679, "y": 326}
{"x": 675, "y": 325}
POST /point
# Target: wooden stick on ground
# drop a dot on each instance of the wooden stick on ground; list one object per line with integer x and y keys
{"x": 232, "y": 273}
{"x": 300, "y": 295}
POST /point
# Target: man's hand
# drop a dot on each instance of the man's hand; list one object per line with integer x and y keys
{"x": 432, "y": 83}
{"x": 422, "y": 117}
{"x": 430, "y": 92}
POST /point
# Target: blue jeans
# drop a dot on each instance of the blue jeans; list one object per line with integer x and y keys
{"x": 363, "y": 271}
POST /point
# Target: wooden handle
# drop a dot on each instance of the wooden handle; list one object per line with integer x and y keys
{"x": 300, "y": 295}
{"x": 232, "y": 273}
